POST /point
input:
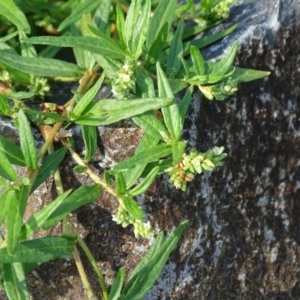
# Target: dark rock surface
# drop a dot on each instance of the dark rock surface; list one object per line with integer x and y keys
{"x": 243, "y": 241}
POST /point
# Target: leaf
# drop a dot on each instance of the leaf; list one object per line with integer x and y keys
{"x": 27, "y": 141}
{"x": 177, "y": 152}
{"x": 15, "y": 281}
{"x": 144, "y": 185}
{"x": 40, "y": 66}
{"x": 176, "y": 52}
{"x": 140, "y": 30}
{"x": 131, "y": 20}
{"x": 83, "y": 8}
{"x": 120, "y": 184}
{"x": 164, "y": 14}
{"x": 89, "y": 134}
{"x": 144, "y": 83}
{"x": 49, "y": 166}
{"x": 79, "y": 197}
{"x": 148, "y": 155}
{"x": 117, "y": 285}
{"x": 6, "y": 169}
{"x": 39, "y": 250}
{"x": 21, "y": 95}
{"x": 170, "y": 112}
{"x": 109, "y": 111}
{"x": 120, "y": 21}
{"x": 9, "y": 10}
{"x": 245, "y": 75}
{"x": 132, "y": 208}
{"x": 101, "y": 16}
{"x": 99, "y": 45}
{"x": 5, "y": 203}
{"x": 197, "y": 60}
{"x": 5, "y": 109}
{"x": 88, "y": 96}
{"x": 18, "y": 201}
{"x": 151, "y": 266}
{"x": 185, "y": 103}
{"x": 26, "y": 50}
{"x": 37, "y": 220}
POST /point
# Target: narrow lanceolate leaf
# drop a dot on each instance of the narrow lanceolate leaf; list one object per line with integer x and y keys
{"x": 12, "y": 152}
{"x": 117, "y": 285}
{"x": 164, "y": 14}
{"x": 83, "y": 8}
{"x": 5, "y": 203}
{"x": 40, "y": 66}
{"x": 81, "y": 196}
{"x": 177, "y": 152}
{"x": 27, "y": 141}
{"x": 101, "y": 16}
{"x": 89, "y": 134}
{"x": 143, "y": 186}
{"x": 14, "y": 218}
{"x": 245, "y": 75}
{"x": 131, "y": 20}
{"x": 6, "y": 169}
{"x": 36, "y": 221}
{"x": 141, "y": 29}
{"x": 145, "y": 83}
{"x": 27, "y": 50}
{"x": 15, "y": 281}
{"x": 221, "y": 67}
{"x": 120, "y": 184}
{"x": 170, "y": 112}
{"x": 88, "y": 96}
{"x": 132, "y": 207}
{"x": 197, "y": 60}
{"x": 39, "y": 250}
{"x": 109, "y": 111}
{"x": 49, "y": 166}
{"x": 9, "y": 10}
{"x": 185, "y": 103}
{"x": 98, "y": 45}
{"x": 175, "y": 54}
{"x": 120, "y": 25}
{"x": 151, "y": 266}
{"x": 148, "y": 155}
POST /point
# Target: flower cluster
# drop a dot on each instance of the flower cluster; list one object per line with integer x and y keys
{"x": 39, "y": 86}
{"x": 217, "y": 11}
{"x": 219, "y": 91}
{"x": 123, "y": 218}
{"x": 125, "y": 79}
{"x": 195, "y": 162}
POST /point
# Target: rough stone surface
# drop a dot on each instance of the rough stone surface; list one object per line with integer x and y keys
{"x": 243, "y": 241}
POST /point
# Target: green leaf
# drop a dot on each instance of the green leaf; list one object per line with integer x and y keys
{"x": 117, "y": 285}
{"x": 205, "y": 79}
{"x": 170, "y": 112}
{"x": 132, "y": 208}
{"x": 221, "y": 67}
{"x": 88, "y": 96}
{"x": 9, "y": 10}
{"x": 18, "y": 201}
{"x": 151, "y": 266}
{"x": 80, "y": 169}
{"x": 185, "y": 103}
{"x": 27, "y": 141}
{"x": 5, "y": 109}
{"x": 12, "y": 152}
{"x": 15, "y": 74}
{"x": 83, "y": 8}
{"x": 144, "y": 185}
{"x": 109, "y": 111}
{"x": 26, "y": 50}
{"x": 131, "y": 20}
{"x": 79, "y": 197}
{"x": 49, "y": 166}
{"x": 6, "y": 169}
{"x": 120, "y": 21}
{"x": 89, "y": 134}
{"x": 197, "y": 60}
{"x": 39, "y": 250}
{"x": 40, "y": 66}
{"x": 15, "y": 281}
{"x": 5, "y": 203}
{"x": 101, "y": 16}
{"x": 140, "y": 30}
{"x": 40, "y": 115}
{"x": 164, "y": 14}
{"x": 175, "y": 54}
{"x": 245, "y": 75}
{"x": 37, "y": 220}
{"x": 144, "y": 83}
{"x": 177, "y": 152}
{"x": 148, "y": 155}
{"x": 21, "y": 95}
{"x": 120, "y": 184}
{"x": 99, "y": 45}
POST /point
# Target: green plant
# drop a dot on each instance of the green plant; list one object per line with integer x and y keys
{"x": 145, "y": 62}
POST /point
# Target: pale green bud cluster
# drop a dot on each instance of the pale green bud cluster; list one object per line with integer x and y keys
{"x": 125, "y": 79}
{"x": 123, "y": 218}
{"x": 195, "y": 162}
{"x": 219, "y": 91}
{"x": 39, "y": 86}
{"x": 218, "y": 11}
